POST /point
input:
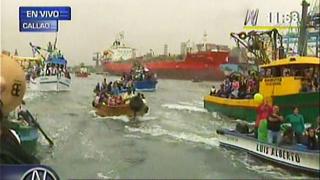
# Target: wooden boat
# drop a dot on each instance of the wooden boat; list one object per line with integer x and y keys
{"x": 295, "y": 157}
{"x": 119, "y": 110}
{"x": 284, "y": 91}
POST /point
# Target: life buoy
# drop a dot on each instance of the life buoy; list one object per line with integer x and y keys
{"x": 136, "y": 104}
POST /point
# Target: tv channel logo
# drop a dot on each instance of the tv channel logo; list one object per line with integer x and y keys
{"x": 42, "y": 19}
{"x": 39, "y": 174}
{"x": 27, "y": 172}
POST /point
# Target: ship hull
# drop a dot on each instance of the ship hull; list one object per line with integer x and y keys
{"x": 245, "y": 109}
{"x": 51, "y": 83}
{"x": 200, "y": 66}
{"x": 172, "y": 70}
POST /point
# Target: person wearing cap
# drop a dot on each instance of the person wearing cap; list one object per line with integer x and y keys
{"x": 12, "y": 89}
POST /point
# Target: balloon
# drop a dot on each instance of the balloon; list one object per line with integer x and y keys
{"x": 12, "y": 84}
{"x": 258, "y": 98}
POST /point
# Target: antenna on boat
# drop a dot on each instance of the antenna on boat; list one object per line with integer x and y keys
{"x": 302, "y": 42}
{"x": 55, "y": 42}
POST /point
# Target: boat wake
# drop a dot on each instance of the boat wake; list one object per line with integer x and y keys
{"x": 121, "y": 118}
{"x": 273, "y": 171}
{"x": 190, "y": 108}
{"x": 180, "y": 136}
{"x": 146, "y": 118}
{"x": 30, "y": 95}
{"x": 252, "y": 164}
{"x": 109, "y": 175}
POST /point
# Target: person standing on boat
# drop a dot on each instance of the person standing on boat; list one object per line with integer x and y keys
{"x": 115, "y": 89}
{"x": 297, "y": 123}
{"x": 213, "y": 91}
{"x": 127, "y": 96}
{"x": 274, "y": 122}
{"x": 235, "y": 88}
{"x": 263, "y": 112}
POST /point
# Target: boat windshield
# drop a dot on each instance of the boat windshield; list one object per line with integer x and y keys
{"x": 291, "y": 70}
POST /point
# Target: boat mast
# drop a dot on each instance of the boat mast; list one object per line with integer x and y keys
{"x": 302, "y": 42}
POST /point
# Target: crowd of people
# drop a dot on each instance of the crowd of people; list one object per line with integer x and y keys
{"x": 310, "y": 82}
{"x": 110, "y": 93}
{"x": 139, "y": 73}
{"x": 269, "y": 127}
{"x": 237, "y": 86}
{"x": 49, "y": 70}
{"x": 56, "y": 69}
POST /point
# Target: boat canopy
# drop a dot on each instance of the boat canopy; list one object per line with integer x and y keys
{"x": 57, "y": 60}
{"x": 293, "y": 61}
{"x": 21, "y": 58}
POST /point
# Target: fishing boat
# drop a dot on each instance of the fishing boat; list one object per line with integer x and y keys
{"x": 52, "y": 82}
{"x": 119, "y": 110}
{"x": 295, "y": 156}
{"x": 145, "y": 85}
{"x": 82, "y": 72}
{"x": 142, "y": 86}
{"x": 282, "y": 79}
{"x": 284, "y": 91}
{"x": 54, "y": 73}
{"x": 136, "y": 107}
{"x": 203, "y": 63}
{"x": 28, "y": 134}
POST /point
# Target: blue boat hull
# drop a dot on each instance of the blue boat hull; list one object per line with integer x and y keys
{"x": 143, "y": 86}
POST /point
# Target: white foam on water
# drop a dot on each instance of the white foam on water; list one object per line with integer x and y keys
{"x": 147, "y": 118}
{"x": 109, "y": 175}
{"x": 184, "y": 107}
{"x": 132, "y": 136}
{"x": 265, "y": 168}
{"x": 275, "y": 172}
{"x": 121, "y": 118}
{"x": 190, "y": 137}
{"x": 198, "y": 103}
{"x": 216, "y": 115}
{"x": 29, "y": 95}
{"x": 185, "y": 103}
{"x": 102, "y": 176}
{"x": 93, "y": 113}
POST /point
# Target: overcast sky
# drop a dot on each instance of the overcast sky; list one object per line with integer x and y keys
{"x": 146, "y": 23}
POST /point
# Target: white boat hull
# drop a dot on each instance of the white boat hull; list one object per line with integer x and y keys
{"x": 305, "y": 160}
{"x": 50, "y": 83}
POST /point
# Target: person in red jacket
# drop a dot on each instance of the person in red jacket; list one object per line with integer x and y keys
{"x": 263, "y": 112}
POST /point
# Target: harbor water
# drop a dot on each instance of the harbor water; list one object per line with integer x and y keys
{"x": 176, "y": 139}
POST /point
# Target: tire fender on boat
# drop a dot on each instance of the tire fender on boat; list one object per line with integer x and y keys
{"x": 220, "y": 131}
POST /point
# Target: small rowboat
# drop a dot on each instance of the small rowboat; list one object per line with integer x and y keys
{"x": 119, "y": 110}
{"x": 28, "y": 134}
{"x": 294, "y": 157}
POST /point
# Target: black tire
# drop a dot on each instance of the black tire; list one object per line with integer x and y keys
{"x": 136, "y": 104}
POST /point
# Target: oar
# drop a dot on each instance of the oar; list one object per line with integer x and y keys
{"x": 39, "y": 127}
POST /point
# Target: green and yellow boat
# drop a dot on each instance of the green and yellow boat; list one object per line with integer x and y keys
{"x": 279, "y": 89}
